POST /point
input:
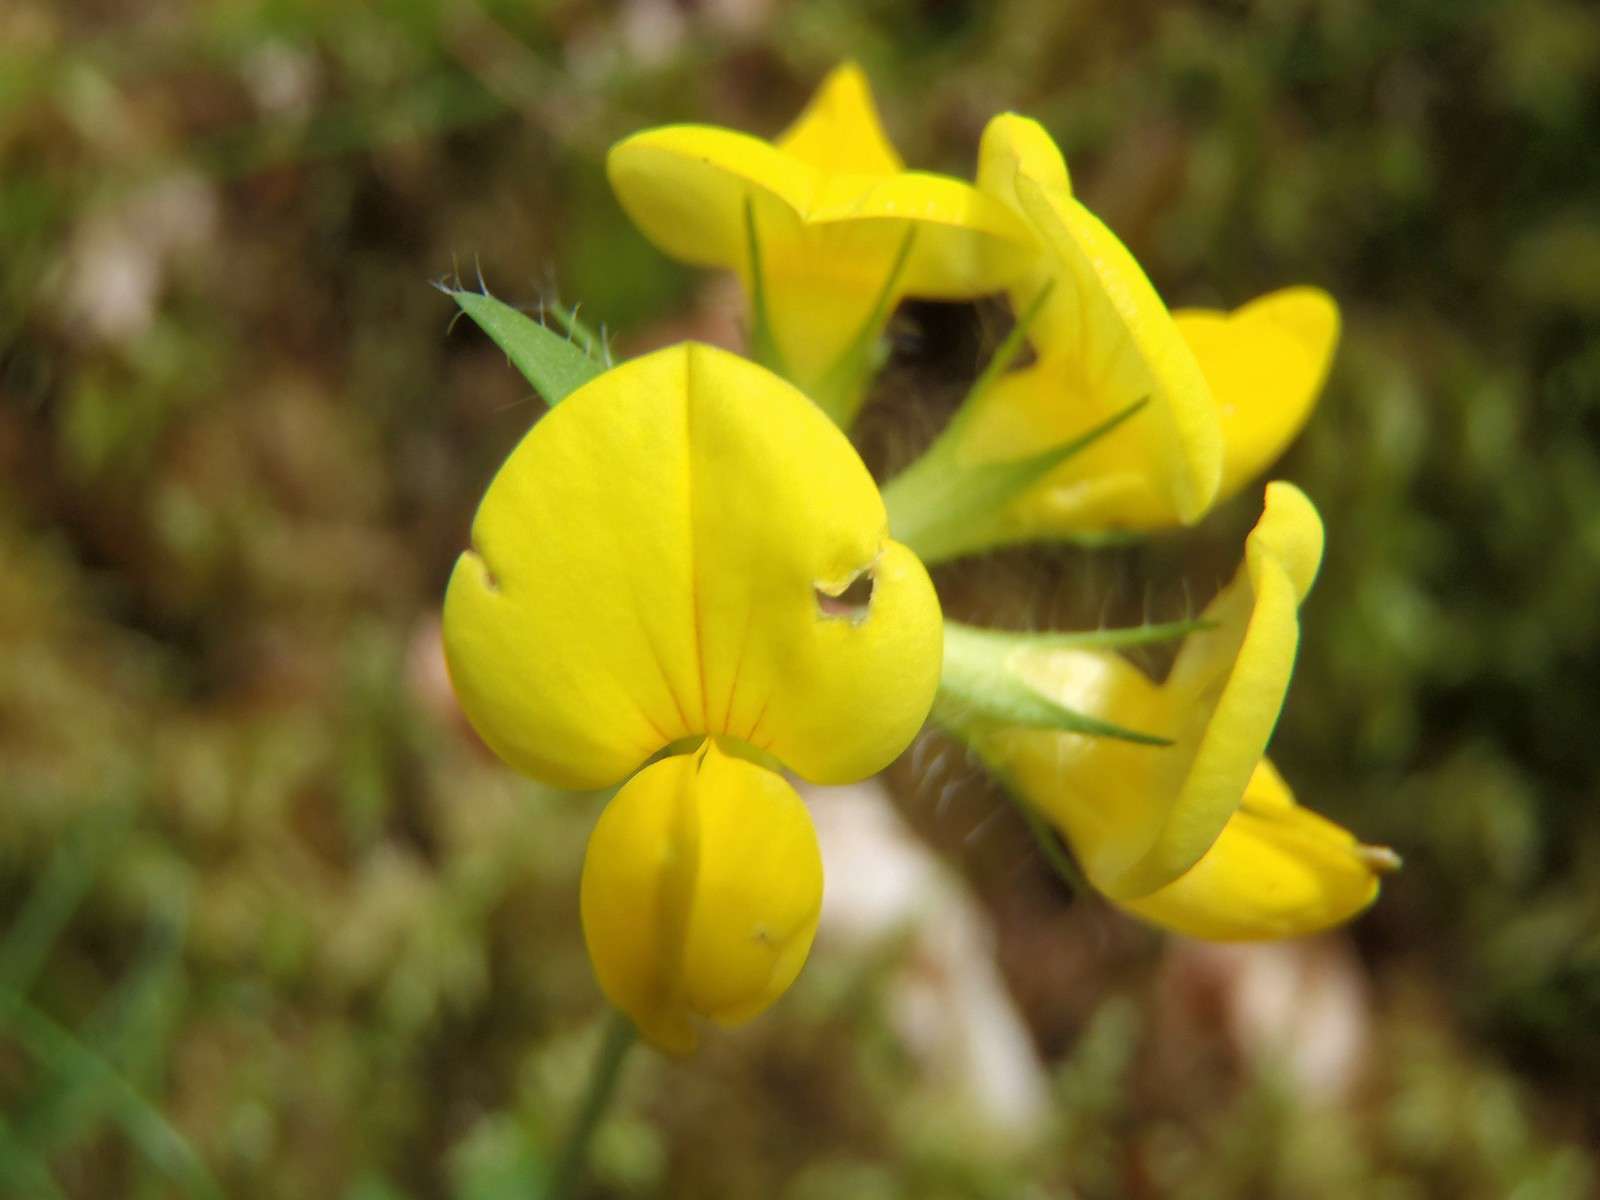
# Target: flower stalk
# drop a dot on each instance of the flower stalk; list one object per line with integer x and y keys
{"x": 597, "y": 1100}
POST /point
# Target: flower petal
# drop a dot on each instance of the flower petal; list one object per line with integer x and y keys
{"x": 1014, "y": 146}
{"x": 832, "y": 209}
{"x": 1112, "y": 485}
{"x": 1105, "y": 341}
{"x": 1277, "y": 870}
{"x": 965, "y": 243}
{"x": 1234, "y": 678}
{"x": 686, "y": 187}
{"x": 1265, "y": 363}
{"x": 1138, "y": 817}
{"x": 840, "y": 130}
{"x": 701, "y": 890}
{"x": 646, "y": 567}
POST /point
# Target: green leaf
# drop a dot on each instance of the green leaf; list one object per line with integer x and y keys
{"x": 22, "y": 1171}
{"x": 149, "y": 1131}
{"x": 980, "y": 689}
{"x": 64, "y": 882}
{"x": 555, "y": 365}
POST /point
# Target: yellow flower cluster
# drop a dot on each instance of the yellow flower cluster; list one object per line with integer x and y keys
{"x": 683, "y": 579}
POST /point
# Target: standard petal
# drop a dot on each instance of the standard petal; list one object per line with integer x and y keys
{"x": 1015, "y": 147}
{"x": 964, "y": 243}
{"x": 686, "y": 188}
{"x": 1265, "y": 363}
{"x": 1277, "y": 870}
{"x": 840, "y": 130}
{"x": 835, "y": 695}
{"x": 701, "y": 890}
{"x": 823, "y": 275}
{"x": 1288, "y": 533}
{"x": 646, "y": 566}
{"x": 569, "y": 625}
{"x": 831, "y": 209}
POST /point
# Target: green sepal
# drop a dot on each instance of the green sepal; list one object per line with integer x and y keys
{"x": 840, "y": 390}
{"x": 1051, "y": 846}
{"x": 1103, "y": 639}
{"x": 763, "y": 345}
{"x": 1005, "y": 354}
{"x": 943, "y": 509}
{"x": 552, "y": 363}
{"x": 979, "y": 689}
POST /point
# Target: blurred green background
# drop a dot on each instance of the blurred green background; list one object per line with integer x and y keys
{"x": 271, "y": 925}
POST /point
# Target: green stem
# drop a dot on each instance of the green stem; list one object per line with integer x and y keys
{"x": 620, "y": 1036}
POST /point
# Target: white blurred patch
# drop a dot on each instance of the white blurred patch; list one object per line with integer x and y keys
{"x": 282, "y": 78}
{"x": 1300, "y": 1008}
{"x": 737, "y": 16}
{"x": 118, "y": 258}
{"x": 652, "y": 31}
{"x": 949, "y": 1003}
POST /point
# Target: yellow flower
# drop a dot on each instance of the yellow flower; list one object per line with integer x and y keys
{"x": 685, "y": 549}
{"x": 832, "y": 207}
{"x": 701, "y": 892}
{"x": 1201, "y": 835}
{"x": 1222, "y": 393}
{"x": 1104, "y": 341}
